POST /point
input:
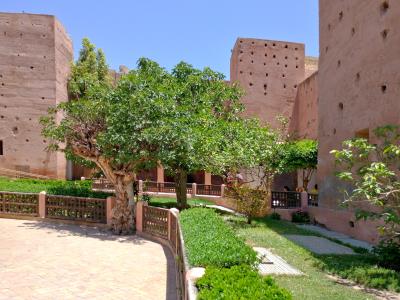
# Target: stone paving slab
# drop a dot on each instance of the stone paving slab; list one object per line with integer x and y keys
{"x": 337, "y": 235}
{"x": 319, "y": 245}
{"x": 273, "y": 264}
{"x": 41, "y": 260}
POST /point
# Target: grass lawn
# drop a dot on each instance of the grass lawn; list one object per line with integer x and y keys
{"x": 79, "y": 188}
{"x": 315, "y": 284}
{"x": 171, "y": 202}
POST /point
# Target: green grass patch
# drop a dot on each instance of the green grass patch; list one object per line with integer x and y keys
{"x": 171, "y": 202}
{"x": 210, "y": 242}
{"x": 237, "y": 283}
{"x": 361, "y": 269}
{"x": 78, "y": 188}
{"x": 315, "y": 284}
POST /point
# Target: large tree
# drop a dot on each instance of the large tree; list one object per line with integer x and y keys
{"x": 110, "y": 125}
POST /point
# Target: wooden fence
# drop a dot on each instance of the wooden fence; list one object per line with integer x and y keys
{"x": 313, "y": 200}
{"x": 163, "y": 223}
{"x": 76, "y": 208}
{"x": 285, "y": 199}
{"x": 26, "y": 204}
{"x": 165, "y": 187}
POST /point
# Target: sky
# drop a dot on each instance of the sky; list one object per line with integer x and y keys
{"x": 200, "y": 32}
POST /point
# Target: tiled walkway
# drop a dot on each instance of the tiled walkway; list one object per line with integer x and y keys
{"x": 41, "y": 260}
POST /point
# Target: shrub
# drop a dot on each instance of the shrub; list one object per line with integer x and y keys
{"x": 210, "y": 242}
{"x": 249, "y": 200}
{"x": 275, "y": 216}
{"x": 238, "y": 282}
{"x": 388, "y": 254}
{"x": 300, "y": 217}
{"x": 146, "y": 198}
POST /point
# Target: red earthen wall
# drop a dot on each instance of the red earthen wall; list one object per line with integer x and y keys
{"x": 32, "y": 78}
{"x": 358, "y": 83}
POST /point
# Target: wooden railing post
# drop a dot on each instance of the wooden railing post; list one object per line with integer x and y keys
{"x": 304, "y": 200}
{"x": 222, "y": 190}
{"x": 110, "y": 202}
{"x": 140, "y": 215}
{"x": 194, "y": 189}
{"x": 140, "y": 187}
{"x": 174, "y": 212}
{"x": 42, "y": 204}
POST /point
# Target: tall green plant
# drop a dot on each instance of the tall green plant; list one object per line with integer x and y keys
{"x": 373, "y": 171}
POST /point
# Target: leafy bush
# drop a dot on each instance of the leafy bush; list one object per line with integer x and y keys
{"x": 275, "y": 216}
{"x": 238, "y": 282}
{"x": 249, "y": 200}
{"x": 146, "y": 198}
{"x": 388, "y": 254}
{"x": 300, "y": 217}
{"x": 210, "y": 242}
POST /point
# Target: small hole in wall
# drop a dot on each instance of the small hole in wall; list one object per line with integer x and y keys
{"x": 16, "y": 118}
{"x": 265, "y": 93}
{"x": 241, "y": 51}
{"x": 2, "y": 95}
{"x": 251, "y": 73}
{"x": 2, "y": 84}
{"x": 252, "y": 61}
{"x": 284, "y": 86}
{"x": 329, "y": 27}
{"x": 44, "y": 141}
{"x": 32, "y": 67}
{"x": 351, "y": 224}
{"x": 265, "y": 63}
{"x": 326, "y": 49}
{"x": 297, "y": 58}
{"x": 14, "y": 130}
{"x": 285, "y": 66}
{"x": 240, "y": 60}
{"x": 283, "y": 75}
{"x": 241, "y": 72}
{"x": 265, "y": 45}
{"x": 384, "y": 7}
{"x": 334, "y": 130}
{"x": 341, "y": 15}
{"x": 5, "y": 33}
{"x": 252, "y": 53}
{"x": 286, "y": 46}
{"x": 383, "y": 88}
{"x": 278, "y": 63}
{"x": 265, "y": 55}
{"x": 30, "y": 119}
{"x": 385, "y": 33}
{"x": 252, "y": 43}
{"x": 339, "y": 63}
{"x": 265, "y": 86}
{"x": 20, "y": 34}
{"x": 358, "y": 76}
{"x": 27, "y": 140}
{"x": 295, "y": 86}
{"x": 250, "y": 84}
{"x": 341, "y": 106}
{"x": 2, "y": 117}
{"x": 1, "y": 76}
{"x": 266, "y": 74}
{"x": 295, "y": 48}
{"x": 240, "y": 41}
{"x": 274, "y": 56}
{"x": 297, "y": 67}
{"x": 353, "y": 31}
{"x": 274, "y": 44}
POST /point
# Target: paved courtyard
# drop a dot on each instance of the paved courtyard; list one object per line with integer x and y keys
{"x": 40, "y": 260}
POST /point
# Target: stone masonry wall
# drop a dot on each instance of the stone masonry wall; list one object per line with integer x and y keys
{"x": 35, "y": 54}
{"x": 358, "y": 82}
{"x": 269, "y": 72}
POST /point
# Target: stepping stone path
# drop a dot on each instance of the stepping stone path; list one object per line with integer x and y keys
{"x": 273, "y": 264}
{"x": 338, "y": 236}
{"x": 319, "y": 245}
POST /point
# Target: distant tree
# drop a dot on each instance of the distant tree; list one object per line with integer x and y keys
{"x": 373, "y": 173}
{"x": 301, "y": 155}
{"x": 195, "y": 136}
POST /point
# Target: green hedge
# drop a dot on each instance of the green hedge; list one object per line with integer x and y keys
{"x": 237, "y": 283}
{"x": 210, "y": 242}
{"x": 78, "y": 188}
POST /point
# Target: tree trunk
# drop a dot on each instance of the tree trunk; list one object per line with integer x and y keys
{"x": 180, "y": 187}
{"x": 123, "y": 212}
